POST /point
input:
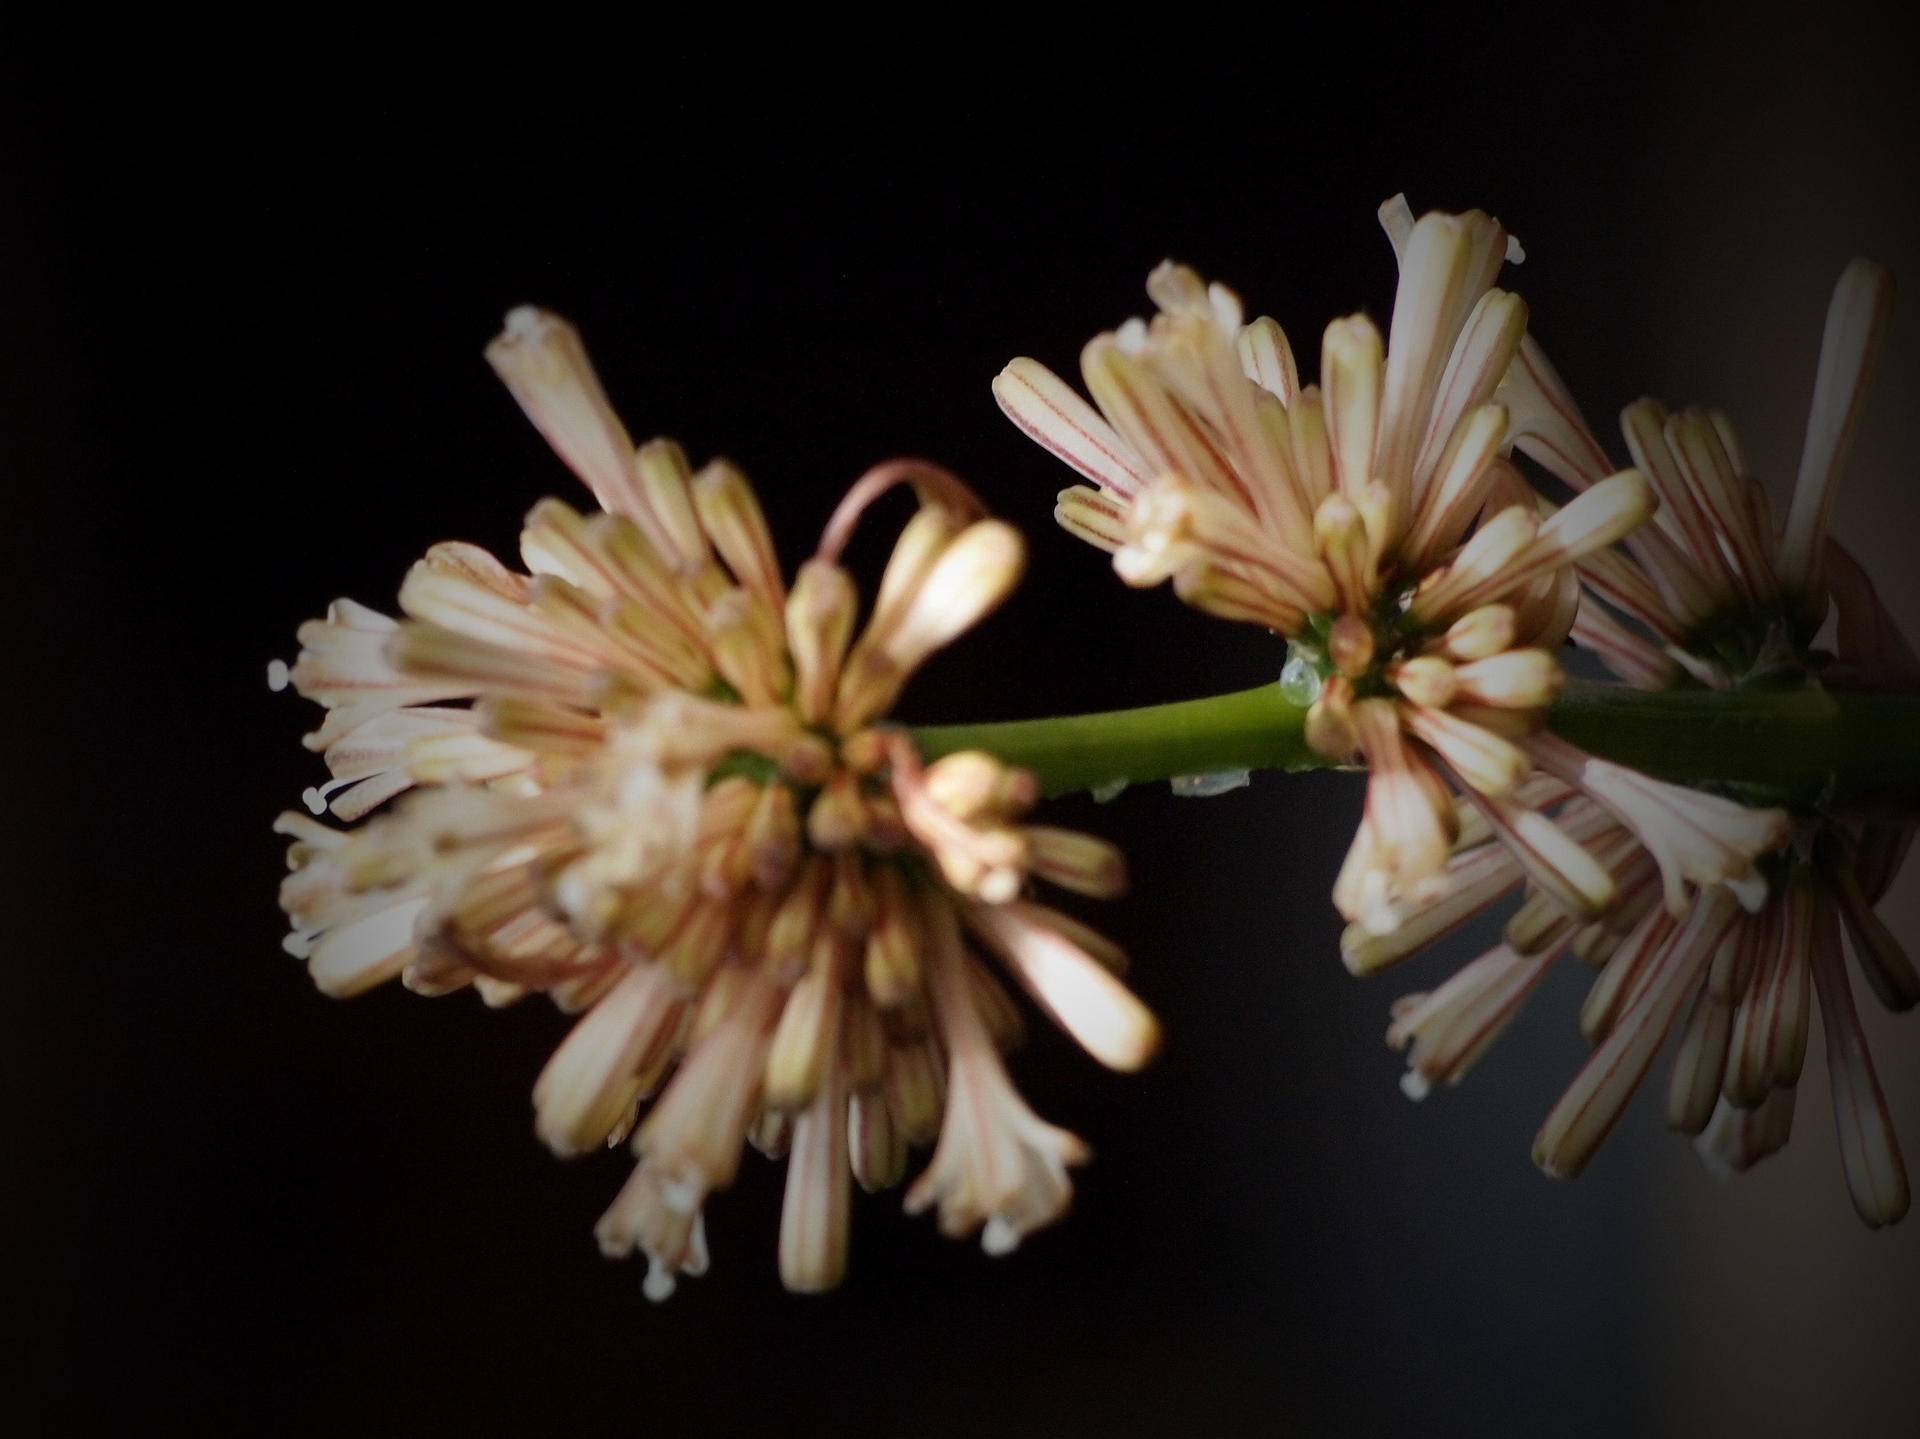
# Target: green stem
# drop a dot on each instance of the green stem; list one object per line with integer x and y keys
{"x": 1249, "y": 729}
{"x": 1801, "y": 746}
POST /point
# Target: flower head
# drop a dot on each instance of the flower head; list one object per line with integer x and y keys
{"x": 653, "y": 779}
{"x": 1713, "y": 594}
{"x": 1375, "y": 522}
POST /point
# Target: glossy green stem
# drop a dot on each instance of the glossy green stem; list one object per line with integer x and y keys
{"x": 1248, "y": 729}
{"x": 1802, "y": 746}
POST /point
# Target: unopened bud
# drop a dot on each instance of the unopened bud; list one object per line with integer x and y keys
{"x": 1350, "y": 645}
{"x": 1425, "y": 680}
{"x": 1514, "y": 679}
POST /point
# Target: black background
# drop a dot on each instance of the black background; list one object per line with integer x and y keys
{"x": 244, "y": 306}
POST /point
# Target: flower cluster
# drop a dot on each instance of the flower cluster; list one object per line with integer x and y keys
{"x": 1714, "y": 594}
{"x": 653, "y": 780}
{"x": 1375, "y": 522}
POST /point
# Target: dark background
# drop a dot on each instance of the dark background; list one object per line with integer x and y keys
{"x": 244, "y": 305}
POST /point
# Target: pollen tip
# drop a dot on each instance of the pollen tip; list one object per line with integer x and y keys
{"x": 659, "y": 1284}
{"x": 523, "y": 322}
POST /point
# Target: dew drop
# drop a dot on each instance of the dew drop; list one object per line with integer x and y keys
{"x": 1204, "y": 786}
{"x": 1299, "y": 680}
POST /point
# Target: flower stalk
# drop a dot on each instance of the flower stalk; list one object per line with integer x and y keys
{"x": 1800, "y": 746}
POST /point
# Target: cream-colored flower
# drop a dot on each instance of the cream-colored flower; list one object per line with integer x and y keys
{"x": 653, "y": 780}
{"x": 1375, "y": 522}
